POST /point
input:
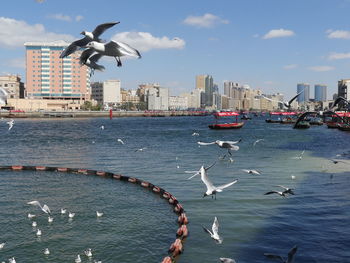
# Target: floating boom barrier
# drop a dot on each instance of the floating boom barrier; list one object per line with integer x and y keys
{"x": 176, "y": 248}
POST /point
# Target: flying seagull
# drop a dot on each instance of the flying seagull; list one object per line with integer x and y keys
{"x": 227, "y": 260}
{"x": 89, "y": 57}
{"x": 89, "y": 36}
{"x": 258, "y": 140}
{"x": 290, "y": 258}
{"x": 276, "y": 192}
{"x": 286, "y": 104}
{"x": 114, "y": 49}
{"x": 286, "y": 189}
{"x": 10, "y": 123}
{"x": 229, "y": 145}
{"x": 120, "y": 141}
{"x": 215, "y": 231}
{"x": 251, "y": 171}
{"x": 337, "y": 101}
{"x": 200, "y": 171}
{"x": 44, "y": 208}
{"x": 299, "y": 157}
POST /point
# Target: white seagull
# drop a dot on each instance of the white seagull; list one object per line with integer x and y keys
{"x": 286, "y": 104}
{"x": 50, "y": 219}
{"x": 99, "y": 214}
{"x": 63, "y": 211}
{"x": 78, "y": 259}
{"x": 89, "y": 57}
{"x": 102, "y": 127}
{"x": 200, "y": 171}
{"x": 286, "y": 190}
{"x": 114, "y": 49}
{"x": 89, "y": 36}
{"x": 251, "y": 171}
{"x": 12, "y": 260}
{"x": 195, "y": 134}
{"x": 10, "y": 123}
{"x": 30, "y": 216}
{"x": 215, "y": 234}
{"x": 2, "y": 245}
{"x": 290, "y": 258}
{"x": 46, "y": 251}
{"x": 71, "y": 215}
{"x": 258, "y": 140}
{"x": 299, "y": 157}
{"x": 38, "y": 232}
{"x": 44, "y": 208}
{"x": 229, "y": 145}
{"x": 227, "y": 260}
{"x": 120, "y": 141}
{"x": 88, "y": 252}
{"x": 34, "y": 224}
{"x": 141, "y": 149}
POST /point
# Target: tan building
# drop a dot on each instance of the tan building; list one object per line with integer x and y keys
{"x": 13, "y": 86}
{"x": 107, "y": 92}
{"x": 50, "y": 77}
{"x": 44, "y": 104}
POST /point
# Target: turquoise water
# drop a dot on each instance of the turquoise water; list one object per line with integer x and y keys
{"x": 139, "y": 226}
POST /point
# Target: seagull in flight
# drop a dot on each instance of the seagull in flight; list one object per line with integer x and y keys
{"x": 89, "y": 36}
{"x": 286, "y": 189}
{"x": 286, "y": 104}
{"x": 229, "y": 145}
{"x": 227, "y": 260}
{"x": 99, "y": 214}
{"x": 89, "y": 57}
{"x": 141, "y": 149}
{"x": 195, "y": 134}
{"x": 251, "y": 171}
{"x": 290, "y": 258}
{"x": 299, "y": 157}
{"x": 258, "y": 140}
{"x": 200, "y": 171}
{"x": 44, "y": 208}
{"x": 11, "y": 123}
{"x": 214, "y": 234}
{"x": 120, "y": 141}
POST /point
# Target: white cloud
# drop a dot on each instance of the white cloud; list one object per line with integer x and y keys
{"x": 144, "y": 41}
{"x": 207, "y": 20}
{"x": 290, "y": 66}
{"x": 343, "y": 34}
{"x": 60, "y": 17}
{"x": 334, "y": 56}
{"x": 321, "y": 68}
{"x": 79, "y": 18}
{"x": 275, "y": 33}
{"x": 13, "y": 33}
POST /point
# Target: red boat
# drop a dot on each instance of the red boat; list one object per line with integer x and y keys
{"x": 229, "y": 125}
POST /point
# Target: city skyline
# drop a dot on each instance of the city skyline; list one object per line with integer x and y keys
{"x": 268, "y": 45}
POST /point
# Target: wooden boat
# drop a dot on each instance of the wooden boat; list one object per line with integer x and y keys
{"x": 302, "y": 125}
{"x": 344, "y": 127}
{"x": 230, "y": 125}
{"x": 332, "y": 124}
{"x": 272, "y": 121}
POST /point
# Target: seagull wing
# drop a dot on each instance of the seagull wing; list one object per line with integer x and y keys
{"x": 127, "y": 50}
{"x": 96, "y": 57}
{"x": 46, "y": 209}
{"x": 37, "y": 203}
{"x": 285, "y": 188}
{"x": 207, "y": 182}
{"x": 85, "y": 55}
{"x": 296, "y": 96}
{"x": 102, "y": 28}
{"x": 215, "y": 226}
{"x": 227, "y": 260}
{"x": 339, "y": 99}
{"x": 273, "y": 256}
{"x": 221, "y": 187}
{"x": 207, "y": 230}
{"x": 207, "y": 168}
{"x": 271, "y": 192}
{"x": 197, "y": 173}
{"x": 291, "y": 254}
{"x": 232, "y": 142}
{"x": 74, "y": 46}
{"x": 245, "y": 170}
{"x": 206, "y": 143}
{"x": 302, "y": 117}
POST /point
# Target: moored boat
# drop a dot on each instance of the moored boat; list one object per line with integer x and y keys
{"x": 226, "y": 125}
{"x": 302, "y": 125}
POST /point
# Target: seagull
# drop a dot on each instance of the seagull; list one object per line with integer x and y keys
{"x": 114, "y": 49}
{"x": 121, "y": 141}
{"x": 2, "y": 245}
{"x": 141, "y": 149}
{"x": 336, "y": 102}
{"x": 286, "y": 189}
{"x": 215, "y": 234}
{"x": 99, "y": 214}
{"x": 300, "y": 156}
{"x": 200, "y": 171}
{"x": 10, "y": 123}
{"x": 71, "y": 215}
{"x": 251, "y": 171}
{"x": 229, "y": 145}
{"x": 211, "y": 189}
{"x": 44, "y": 208}
{"x": 276, "y": 192}
{"x": 89, "y": 36}
{"x": 290, "y": 258}
{"x": 78, "y": 259}
{"x": 258, "y": 140}
{"x": 30, "y": 216}
{"x": 102, "y": 127}
{"x": 88, "y": 252}
{"x": 286, "y": 104}
{"x": 50, "y": 219}
{"x": 38, "y": 232}
{"x": 12, "y": 260}
{"x": 46, "y": 251}
{"x": 195, "y": 134}
{"x": 227, "y": 260}
{"x": 89, "y": 57}
{"x": 34, "y": 224}
{"x": 63, "y": 211}
{"x": 292, "y": 176}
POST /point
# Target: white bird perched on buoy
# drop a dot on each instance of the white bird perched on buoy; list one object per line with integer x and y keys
{"x": 78, "y": 259}
{"x": 71, "y": 215}
{"x": 12, "y": 260}
{"x": 99, "y": 214}
{"x": 2, "y": 245}
{"x": 229, "y": 145}
{"x": 215, "y": 231}
{"x": 30, "y": 216}
{"x": 251, "y": 171}
{"x": 227, "y": 260}
{"x": 34, "y": 224}
{"x": 46, "y": 251}
{"x": 114, "y": 49}
{"x": 88, "y": 252}
{"x": 50, "y": 219}
{"x": 121, "y": 141}
{"x": 38, "y": 232}
{"x": 44, "y": 208}
{"x": 63, "y": 211}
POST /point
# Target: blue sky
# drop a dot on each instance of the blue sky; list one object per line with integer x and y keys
{"x": 268, "y": 44}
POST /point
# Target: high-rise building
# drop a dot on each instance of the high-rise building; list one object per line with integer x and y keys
{"x": 50, "y": 77}
{"x": 229, "y": 87}
{"x": 304, "y": 88}
{"x": 205, "y": 83}
{"x": 320, "y": 92}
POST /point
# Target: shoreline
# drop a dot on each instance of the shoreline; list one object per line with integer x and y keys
{"x": 100, "y": 114}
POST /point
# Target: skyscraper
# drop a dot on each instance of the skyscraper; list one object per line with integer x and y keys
{"x": 320, "y": 92}
{"x": 205, "y": 83}
{"x": 49, "y": 76}
{"x": 305, "y": 95}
